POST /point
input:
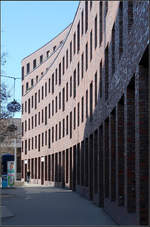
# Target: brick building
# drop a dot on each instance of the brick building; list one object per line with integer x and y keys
{"x": 85, "y": 109}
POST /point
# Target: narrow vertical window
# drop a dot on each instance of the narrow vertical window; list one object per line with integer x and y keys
{"x": 70, "y": 51}
{"x": 59, "y": 100}
{"x": 56, "y": 76}
{"x": 100, "y": 22}
{"x": 70, "y": 86}
{"x": 63, "y": 99}
{"x": 35, "y": 100}
{"x": 82, "y": 23}
{"x": 74, "y": 80}
{"x": 78, "y": 73}
{"x": 74, "y": 117}
{"x": 82, "y": 65}
{"x": 67, "y": 125}
{"x": 91, "y": 45}
{"x": 49, "y": 85}
{"x": 63, "y": 65}
{"x": 60, "y": 130}
{"x": 66, "y": 91}
{"x": 74, "y": 43}
{"x": 22, "y": 72}
{"x": 46, "y": 115}
{"x": 59, "y": 73}
{"x": 42, "y": 92}
{"x": 86, "y": 56}
{"x": 95, "y": 31}
{"x": 45, "y": 89}
{"x": 63, "y": 127}
{"x": 95, "y": 89}
{"x": 86, "y": 16}
{"x": 91, "y": 101}
{"x": 70, "y": 124}
{"x": 86, "y": 103}
{"x": 52, "y": 107}
{"x": 49, "y": 110}
{"x": 49, "y": 138}
{"x": 78, "y": 37}
{"x": 82, "y": 111}
{"x": 78, "y": 113}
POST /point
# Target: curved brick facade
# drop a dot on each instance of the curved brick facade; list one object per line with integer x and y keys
{"x": 85, "y": 117}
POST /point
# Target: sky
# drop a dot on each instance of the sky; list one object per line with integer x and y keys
{"x": 25, "y": 27}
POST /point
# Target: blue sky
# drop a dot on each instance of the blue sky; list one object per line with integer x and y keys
{"x": 25, "y": 27}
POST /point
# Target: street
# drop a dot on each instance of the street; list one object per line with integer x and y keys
{"x": 50, "y": 206}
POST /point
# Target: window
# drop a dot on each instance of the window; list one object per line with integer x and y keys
{"x": 49, "y": 110}
{"x": 95, "y": 31}
{"x": 27, "y": 86}
{"x": 74, "y": 43}
{"x": 86, "y": 56}
{"x": 95, "y": 89}
{"x": 28, "y": 106}
{"x": 22, "y": 146}
{"x": 59, "y": 73}
{"x": 22, "y": 129}
{"x": 49, "y": 85}
{"x": 70, "y": 124}
{"x": 32, "y": 143}
{"x": 49, "y": 138}
{"x": 35, "y": 120}
{"x": 22, "y": 109}
{"x": 34, "y": 63}
{"x": 55, "y": 132}
{"x": 54, "y": 48}
{"x": 63, "y": 65}
{"x": 45, "y": 115}
{"x": 25, "y": 146}
{"x": 63, "y": 127}
{"x": 59, "y": 100}
{"x": 100, "y": 22}
{"x": 78, "y": 37}
{"x": 36, "y": 79}
{"x": 32, "y": 101}
{"x": 78, "y": 73}
{"x": 78, "y": 113}
{"x": 100, "y": 75}
{"x": 32, "y": 122}
{"x": 42, "y": 139}
{"x": 31, "y": 82}
{"x": 56, "y": 104}
{"x": 45, "y": 89}
{"x": 52, "y": 134}
{"x": 86, "y": 16}
{"x": 82, "y": 111}
{"x": 91, "y": 100}
{"x": 45, "y": 138}
{"x": 70, "y": 51}
{"x": 52, "y": 107}
{"x": 82, "y": 22}
{"x": 28, "y": 68}
{"x": 48, "y": 53}
{"x": 25, "y": 106}
{"x": 86, "y": 103}
{"x": 67, "y": 125}
{"x": 42, "y": 116}
{"x": 52, "y": 83}
{"x": 42, "y": 92}
{"x": 82, "y": 65}
{"x": 66, "y": 91}
{"x": 59, "y": 129}
{"x": 35, "y": 100}
{"x": 41, "y": 59}
{"x": 39, "y": 145}
{"x": 35, "y": 142}
{"x": 22, "y": 72}
{"x": 74, "y": 80}
{"x": 56, "y": 76}
{"x": 39, "y": 118}
{"x": 63, "y": 99}
{"x": 39, "y": 96}
{"x": 74, "y": 117}
{"x": 91, "y": 45}
{"x": 67, "y": 59}
{"x": 70, "y": 86}
{"x": 106, "y": 73}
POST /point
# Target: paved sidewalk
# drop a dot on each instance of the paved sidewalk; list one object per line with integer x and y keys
{"x": 36, "y": 205}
